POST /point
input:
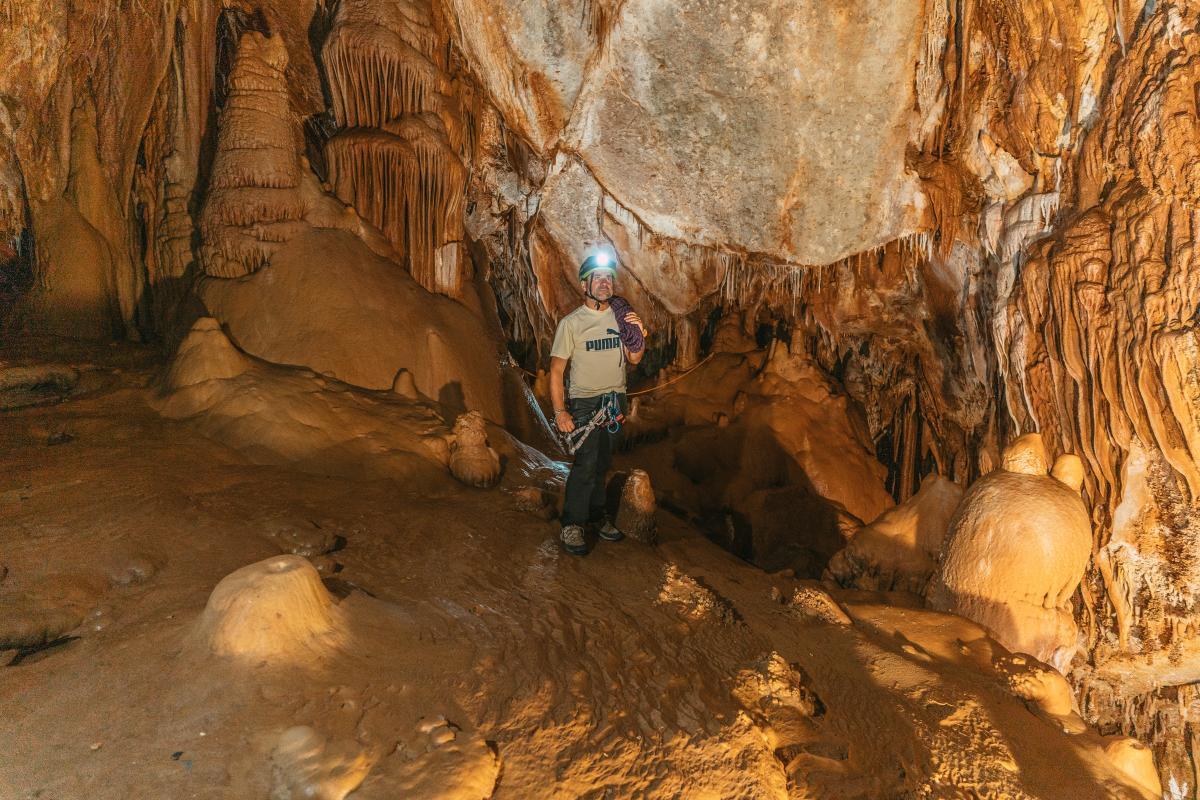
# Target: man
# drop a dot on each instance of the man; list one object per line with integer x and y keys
{"x": 591, "y": 339}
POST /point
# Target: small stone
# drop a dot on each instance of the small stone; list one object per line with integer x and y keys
{"x": 533, "y": 500}
{"x": 429, "y": 725}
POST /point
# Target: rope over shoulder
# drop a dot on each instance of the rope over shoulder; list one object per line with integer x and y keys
{"x": 631, "y": 335}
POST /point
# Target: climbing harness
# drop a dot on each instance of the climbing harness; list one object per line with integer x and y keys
{"x": 608, "y": 415}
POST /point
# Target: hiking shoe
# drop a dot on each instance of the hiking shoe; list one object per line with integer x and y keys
{"x": 608, "y": 532}
{"x": 571, "y": 537}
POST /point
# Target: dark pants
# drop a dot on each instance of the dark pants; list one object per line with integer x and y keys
{"x": 585, "y": 484}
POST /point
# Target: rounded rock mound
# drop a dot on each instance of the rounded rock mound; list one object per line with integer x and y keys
{"x": 275, "y": 609}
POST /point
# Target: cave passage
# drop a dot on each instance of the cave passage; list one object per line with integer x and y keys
{"x": 478, "y": 399}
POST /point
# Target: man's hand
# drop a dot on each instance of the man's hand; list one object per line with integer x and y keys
{"x": 563, "y": 421}
{"x": 633, "y": 319}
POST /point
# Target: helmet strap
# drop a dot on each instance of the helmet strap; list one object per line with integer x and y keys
{"x": 588, "y": 292}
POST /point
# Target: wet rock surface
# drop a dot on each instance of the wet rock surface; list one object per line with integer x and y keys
{"x": 641, "y": 669}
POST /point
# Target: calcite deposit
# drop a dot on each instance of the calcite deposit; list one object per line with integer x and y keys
{"x": 637, "y": 511}
{"x": 1014, "y": 555}
{"x": 273, "y": 610}
{"x": 899, "y": 549}
{"x": 920, "y": 280}
{"x": 472, "y": 460}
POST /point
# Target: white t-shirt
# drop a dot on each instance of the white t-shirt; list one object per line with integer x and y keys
{"x": 591, "y": 341}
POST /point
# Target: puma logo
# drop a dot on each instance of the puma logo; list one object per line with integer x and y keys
{"x": 603, "y": 344}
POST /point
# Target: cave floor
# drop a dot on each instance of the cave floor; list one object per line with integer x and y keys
{"x": 477, "y": 660}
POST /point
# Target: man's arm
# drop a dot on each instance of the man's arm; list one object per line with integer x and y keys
{"x": 558, "y": 395}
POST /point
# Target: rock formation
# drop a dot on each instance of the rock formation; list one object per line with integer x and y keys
{"x": 472, "y": 461}
{"x": 308, "y": 765}
{"x": 1015, "y": 553}
{"x": 399, "y": 156}
{"x": 23, "y": 386}
{"x": 275, "y": 610}
{"x": 275, "y": 415}
{"x": 637, "y": 508}
{"x": 265, "y": 207}
{"x": 887, "y": 236}
{"x": 899, "y": 550}
{"x": 772, "y": 483}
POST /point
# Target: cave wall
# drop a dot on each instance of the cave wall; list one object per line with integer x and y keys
{"x": 976, "y": 217}
{"x": 1102, "y": 357}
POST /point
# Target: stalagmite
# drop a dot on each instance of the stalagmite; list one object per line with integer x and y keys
{"x": 1068, "y": 470}
{"x": 206, "y": 354}
{"x": 1015, "y": 553}
{"x": 472, "y": 461}
{"x": 636, "y": 512}
{"x": 275, "y": 611}
{"x": 252, "y": 203}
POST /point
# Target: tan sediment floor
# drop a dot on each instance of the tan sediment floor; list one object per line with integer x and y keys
{"x": 473, "y": 658}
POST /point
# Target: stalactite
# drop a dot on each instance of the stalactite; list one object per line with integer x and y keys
{"x": 380, "y": 58}
{"x": 931, "y": 78}
{"x": 400, "y": 156}
{"x": 408, "y": 181}
{"x": 1169, "y": 717}
{"x": 517, "y": 291}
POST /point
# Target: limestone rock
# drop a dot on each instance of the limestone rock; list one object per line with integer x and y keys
{"x": 405, "y": 385}
{"x": 1015, "y": 553}
{"x": 472, "y": 461}
{"x": 330, "y": 304}
{"x": 53, "y": 608}
{"x": 782, "y": 125}
{"x": 899, "y": 549}
{"x": 636, "y": 512}
{"x": 1025, "y": 456}
{"x": 25, "y": 386}
{"x": 693, "y": 599}
{"x": 206, "y": 354}
{"x": 1068, "y": 470}
{"x": 276, "y": 610}
{"x": 535, "y": 501}
{"x": 1045, "y": 688}
{"x": 310, "y": 766}
{"x": 815, "y": 603}
{"x": 1136, "y": 761}
{"x": 31, "y": 622}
